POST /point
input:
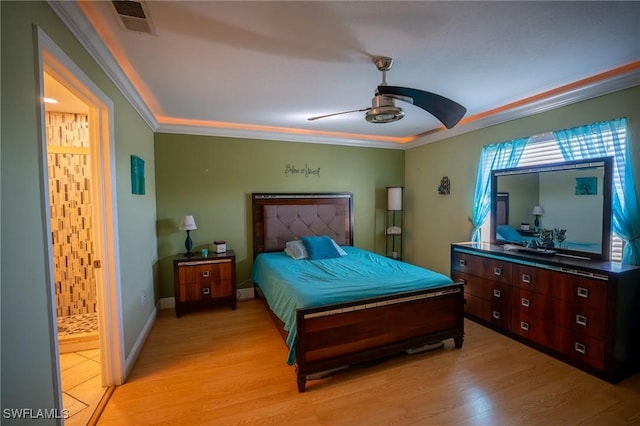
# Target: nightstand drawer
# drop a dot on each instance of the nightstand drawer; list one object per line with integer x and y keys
{"x": 190, "y": 292}
{"x": 194, "y": 272}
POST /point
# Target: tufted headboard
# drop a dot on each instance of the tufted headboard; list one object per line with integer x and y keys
{"x": 278, "y": 218}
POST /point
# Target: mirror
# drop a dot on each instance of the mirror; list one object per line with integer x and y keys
{"x": 531, "y": 206}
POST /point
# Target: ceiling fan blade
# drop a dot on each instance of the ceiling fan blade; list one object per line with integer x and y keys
{"x": 444, "y": 109}
{"x": 338, "y": 113}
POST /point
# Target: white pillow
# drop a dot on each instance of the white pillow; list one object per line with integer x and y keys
{"x": 340, "y": 250}
{"x": 296, "y": 249}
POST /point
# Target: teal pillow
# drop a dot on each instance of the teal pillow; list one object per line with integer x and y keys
{"x": 321, "y": 247}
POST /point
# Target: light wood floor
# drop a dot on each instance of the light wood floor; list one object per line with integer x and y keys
{"x": 228, "y": 367}
{"x": 82, "y": 388}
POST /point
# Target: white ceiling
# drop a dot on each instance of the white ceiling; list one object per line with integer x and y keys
{"x": 260, "y": 69}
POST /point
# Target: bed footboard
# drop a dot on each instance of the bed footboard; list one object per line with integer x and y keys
{"x": 343, "y": 334}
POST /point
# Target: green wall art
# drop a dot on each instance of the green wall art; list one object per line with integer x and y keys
{"x": 587, "y": 185}
{"x": 137, "y": 175}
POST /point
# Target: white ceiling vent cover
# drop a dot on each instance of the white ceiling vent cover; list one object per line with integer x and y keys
{"x": 133, "y": 16}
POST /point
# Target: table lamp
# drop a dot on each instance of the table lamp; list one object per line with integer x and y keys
{"x": 188, "y": 224}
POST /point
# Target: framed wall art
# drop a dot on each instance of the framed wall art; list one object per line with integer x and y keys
{"x": 587, "y": 185}
{"x": 137, "y": 175}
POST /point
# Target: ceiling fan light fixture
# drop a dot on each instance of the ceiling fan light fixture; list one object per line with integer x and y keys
{"x": 384, "y": 114}
{"x": 383, "y": 110}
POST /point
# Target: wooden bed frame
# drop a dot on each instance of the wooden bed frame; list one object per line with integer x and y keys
{"x": 338, "y": 335}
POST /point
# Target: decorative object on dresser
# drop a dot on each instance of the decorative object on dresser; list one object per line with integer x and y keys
{"x": 393, "y": 225}
{"x": 219, "y": 246}
{"x": 583, "y": 312}
{"x": 560, "y": 235}
{"x": 200, "y": 282}
{"x": 188, "y": 224}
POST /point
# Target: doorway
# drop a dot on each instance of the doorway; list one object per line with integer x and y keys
{"x": 78, "y": 169}
{"x": 74, "y": 286}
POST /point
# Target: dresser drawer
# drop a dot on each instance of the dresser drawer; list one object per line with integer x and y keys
{"x": 495, "y": 313}
{"x": 483, "y": 288}
{"x": 484, "y": 267}
{"x": 586, "y": 350}
{"x": 581, "y": 290}
{"x": 585, "y": 320}
{"x": 544, "y": 333}
{"x": 531, "y": 304}
{"x": 532, "y": 279}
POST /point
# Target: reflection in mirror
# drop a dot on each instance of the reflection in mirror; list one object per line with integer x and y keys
{"x": 562, "y": 207}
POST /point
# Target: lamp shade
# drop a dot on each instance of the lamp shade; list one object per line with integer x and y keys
{"x": 537, "y": 211}
{"x": 188, "y": 223}
{"x": 394, "y": 197}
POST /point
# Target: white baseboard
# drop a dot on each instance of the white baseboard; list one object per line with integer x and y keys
{"x": 137, "y": 346}
{"x": 167, "y": 303}
{"x": 246, "y": 293}
{"x": 242, "y": 294}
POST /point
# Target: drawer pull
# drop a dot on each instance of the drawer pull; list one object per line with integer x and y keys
{"x": 581, "y": 319}
{"x": 525, "y": 302}
{"x": 583, "y": 292}
{"x": 206, "y": 290}
{"x": 463, "y": 262}
{"x": 580, "y": 347}
{"x": 496, "y": 293}
{"x": 526, "y": 278}
{"x": 462, "y": 281}
{"x": 496, "y": 315}
{"x": 524, "y": 325}
{"x": 205, "y": 274}
{"x": 497, "y": 271}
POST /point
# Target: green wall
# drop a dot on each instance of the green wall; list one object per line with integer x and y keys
{"x": 29, "y": 370}
{"x": 435, "y": 221}
{"x": 212, "y": 178}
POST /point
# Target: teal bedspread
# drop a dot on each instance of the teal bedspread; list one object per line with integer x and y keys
{"x": 290, "y": 284}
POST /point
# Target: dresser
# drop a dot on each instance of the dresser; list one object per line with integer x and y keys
{"x": 585, "y": 313}
{"x": 202, "y": 282}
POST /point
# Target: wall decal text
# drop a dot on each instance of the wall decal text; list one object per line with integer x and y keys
{"x": 305, "y": 171}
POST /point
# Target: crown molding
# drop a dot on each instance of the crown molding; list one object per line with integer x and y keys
{"x": 76, "y": 21}
{"x": 585, "y": 92}
{"x": 274, "y": 136}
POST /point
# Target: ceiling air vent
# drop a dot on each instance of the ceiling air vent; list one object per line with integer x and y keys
{"x": 133, "y": 16}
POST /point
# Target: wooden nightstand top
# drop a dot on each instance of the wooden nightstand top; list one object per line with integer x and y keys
{"x": 196, "y": 256}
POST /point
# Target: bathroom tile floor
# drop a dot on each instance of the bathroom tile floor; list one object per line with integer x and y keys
{"x": 74, "y": 324}
{"x": 81, "y": 385}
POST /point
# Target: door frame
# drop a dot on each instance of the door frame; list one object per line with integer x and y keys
{"x": 55, "y": 62}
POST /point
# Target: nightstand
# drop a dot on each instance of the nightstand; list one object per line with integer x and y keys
{"x": 201, "y": 282}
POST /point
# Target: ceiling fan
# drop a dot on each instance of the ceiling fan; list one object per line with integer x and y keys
{"x": 384, "y": 110}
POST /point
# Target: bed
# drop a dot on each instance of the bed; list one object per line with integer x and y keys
{"x": 352, "y": 318}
